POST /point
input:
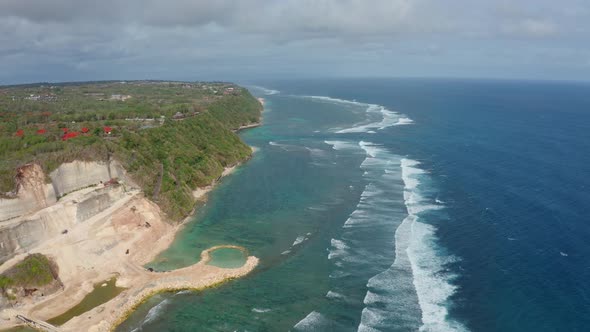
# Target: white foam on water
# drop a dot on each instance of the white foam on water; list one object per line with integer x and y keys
{"x": 285, "y": 147}
{"x": 431, "y": 280}
{"x": 155, "y": 312}
{"x": 299, "y": 240}
{"x": 404, "y": 121}
{"x": 371, "y": 149}
{"x": 338, "y": 249}
{"x": 409, "y": 173}
{"x": 336, "y": 100}
{"x": 364, "y": 328}
{"x": 389, "y": 118}
{"x": 318, "y": 208}
{"x": 261, "y": 310}
{"x": 419, "y": 268}
{"x": 312, "y": 322}
{"x": 341, "y": 145}
{"x": 393, "y": 285}
{"x": 334, "y": 295}
{"x": 266, "y": 91}
{"x": 316, "y": 152}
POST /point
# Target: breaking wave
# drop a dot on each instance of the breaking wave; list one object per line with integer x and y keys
{"x": 388, "y": 118}
{"x": 265, "y": 91}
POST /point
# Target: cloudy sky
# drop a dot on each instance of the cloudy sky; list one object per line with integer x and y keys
{"x": 64, "y": 40}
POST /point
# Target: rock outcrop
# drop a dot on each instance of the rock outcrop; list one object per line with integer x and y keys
{"x": 35, "y": 214}
{"x": 32, "y": 193}
{"x": 78, "y": 174}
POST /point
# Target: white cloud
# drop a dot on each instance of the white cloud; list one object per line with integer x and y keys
{"x": 153, "y": 36}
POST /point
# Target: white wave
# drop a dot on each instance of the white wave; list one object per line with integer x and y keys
{"x": 265, "y": 90}
{"x": 409, "y": 172}
{"x": 341, "y": 145}
{"x": 370, "y": 148}
{"x": 419, "y": 266}
{"x": 314, "y": 321}
{"x": 337, "y": 100}
{"x": 338, "y": 249}
{"x": 285, "y": 147}
{"x": 299, "y": 240}
{"x": 365, "y": 328}
{"x": 389, "y": 292}
{"x": 389, "y": 118}
{"x": 318, "y": 208}
{"x": 317, "y": 153}
{"x": 334, "y": 295}
{"x": 261, "y": 311}
{"x": 404, "y": 121}
{"x": 154, "y": 312}
{"x": 431, "y": 281}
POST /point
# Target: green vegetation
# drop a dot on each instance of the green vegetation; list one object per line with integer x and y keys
{"x": 102, "y": 293}
{"x": 35, "y": 270}
{"x": 184, "y": 128}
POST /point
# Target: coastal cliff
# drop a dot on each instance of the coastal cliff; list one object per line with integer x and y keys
{"x": 181, "y": 134}
{"x": 86, "y": 202}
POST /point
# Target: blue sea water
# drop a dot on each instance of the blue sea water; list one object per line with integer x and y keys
{"x": 400, "y": 205}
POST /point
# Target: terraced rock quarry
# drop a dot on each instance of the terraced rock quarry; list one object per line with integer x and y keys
{"x": 35, "y": 214}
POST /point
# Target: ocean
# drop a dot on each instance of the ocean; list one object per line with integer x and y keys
{"x": 399, "y": 205}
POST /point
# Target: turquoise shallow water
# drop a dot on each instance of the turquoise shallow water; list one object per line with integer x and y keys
{"x": 284, "y": 206}
{"x": 227, "y": 258}
{"x": 465, "y": 211}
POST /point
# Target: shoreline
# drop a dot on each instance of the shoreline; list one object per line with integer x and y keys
{"x": 141, "y": 284}
{"x": 254, "y": 124}
{"x": 198, "y": 276}
{"x": 118, "y": 242}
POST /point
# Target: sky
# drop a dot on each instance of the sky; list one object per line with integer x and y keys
{"x": 78, "y": 40}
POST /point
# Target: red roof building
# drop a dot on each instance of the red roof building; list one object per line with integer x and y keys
{"x": 69, "y": 135}
{"x": 107, "y": 130}
{"x": 41, "y": 131}
{"x": 20, "y": 133}
{"x": 84, "y": 130}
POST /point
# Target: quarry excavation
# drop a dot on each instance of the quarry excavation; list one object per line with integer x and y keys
{"x": 88, "y": 223}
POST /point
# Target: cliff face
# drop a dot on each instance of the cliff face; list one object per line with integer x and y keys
{"x": 32, "y": 193}
{"x": 35, "y": 215}
{"x": 76, "y": 175}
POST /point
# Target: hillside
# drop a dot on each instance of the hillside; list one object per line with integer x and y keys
{"x": 171, "y": 137}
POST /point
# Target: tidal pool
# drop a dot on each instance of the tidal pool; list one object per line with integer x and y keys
{"x": 229, "y": 258}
